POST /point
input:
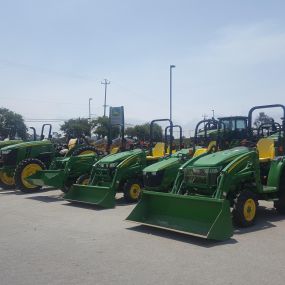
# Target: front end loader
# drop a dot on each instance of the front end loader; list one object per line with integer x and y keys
{"x": 214, "y": 192}
{"x": 121, "y": 172}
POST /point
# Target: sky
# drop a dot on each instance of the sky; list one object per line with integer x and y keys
{"x": 229, "y": 56}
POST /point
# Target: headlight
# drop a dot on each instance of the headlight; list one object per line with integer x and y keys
{"x": 113, "y": 165}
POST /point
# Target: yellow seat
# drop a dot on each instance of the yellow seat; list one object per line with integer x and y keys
{"x": 212, "y": 144}
{"x": 203, "y": 150}
{"x": 115, "y": 150}
{"x": 200, "y": 151}
{"x": 265, "y": 149}
{"x": 157, "y": 151}
{"x": 72, "y": 143}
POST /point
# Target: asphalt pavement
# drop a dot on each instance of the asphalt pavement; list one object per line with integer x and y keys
{"x": 46, "y": 240}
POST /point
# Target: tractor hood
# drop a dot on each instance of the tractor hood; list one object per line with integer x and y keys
{"x": 220, "y": 158}
{"x": 118, "y": 157}
{"x": 168, "y": 161}
{"x": 26, "y": 144}
{"x": 9, "y": 142}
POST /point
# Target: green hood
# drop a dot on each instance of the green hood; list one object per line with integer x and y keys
{"x": 220, "y": 158}
{"x": 117, "y": 157}
{"x": 9, "y": 142}
{"x": 167, "y": 162}
{"x": 27, "y": 144}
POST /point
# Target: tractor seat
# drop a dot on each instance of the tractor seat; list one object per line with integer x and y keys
{"x": 200, "y": 151}
{"x": 157, "y": 152}
{"x": 265, "y": 149}
{"x": 114, "y": 150}
{"x": 72, "y": 143}
{"x": 203, "y": 150}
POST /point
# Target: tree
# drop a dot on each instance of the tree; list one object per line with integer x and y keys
{"x": 12, "y": 124}
{"x": 262, "y": 119}
{"x": 102, "y": 126}
{"x": 76, "y": 127}
{"x": 142, "y": 132}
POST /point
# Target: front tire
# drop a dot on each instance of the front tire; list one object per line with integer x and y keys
{"x": 132, "y": 190}
{"x": 86, "y": 149}
{"x": 83, "y": 179}
{"x": 244, "y": 210}
{"x": 24, "y": 169}
{"x": 6, "y": 182}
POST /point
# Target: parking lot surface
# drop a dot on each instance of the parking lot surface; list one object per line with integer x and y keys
{"x": 46, "y": 240}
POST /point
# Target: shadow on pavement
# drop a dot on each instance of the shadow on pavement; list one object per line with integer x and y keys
{"x": 266, "y": 217}
{"x": 47, "y": 199}
{"x": 199, "y": 241}
{"x": 83, "y": 205}
{"x": 264, "y": 220}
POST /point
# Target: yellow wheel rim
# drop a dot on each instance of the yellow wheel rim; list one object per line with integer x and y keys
{"x": 249, "y": 210}
{"x": 28, "y": 171}
{"x": 85, "y": 181}
{"x": 86, "y": 152}
{"x": 6, "y": 179}
{"x": 135, "y": 191}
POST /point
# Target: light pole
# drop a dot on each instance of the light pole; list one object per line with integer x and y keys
{"x": 213, "y": 111}
{"x": 170, "y": 90}
{"x": 90, "y": 108}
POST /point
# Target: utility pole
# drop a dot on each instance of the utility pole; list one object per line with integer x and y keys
{"x": 90, "y": 108}
{"x": 204, "y": 116}
{"x": 213, "y": 111}
{"x": 105, "y": 82}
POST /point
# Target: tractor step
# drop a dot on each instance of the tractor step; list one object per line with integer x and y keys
{"x": 269, "y": 189}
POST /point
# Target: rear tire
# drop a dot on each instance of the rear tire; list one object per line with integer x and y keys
{"x": 24, "y": 169}
{"x": 86, "y": 149}
{"x": 280, "y": 204}
{"x": 132, "y": 190}
{"x": 244, "y": 210}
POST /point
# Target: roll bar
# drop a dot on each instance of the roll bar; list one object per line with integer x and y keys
{"x": 171, "y": 133}
{"x": 180, "y": 133}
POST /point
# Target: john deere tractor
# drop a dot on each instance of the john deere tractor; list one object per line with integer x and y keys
{"x": 71, "y": 169}
{"x": 24, "y": 159}
{"x": 121, "y": 172}
{"x": 212, "y": 192}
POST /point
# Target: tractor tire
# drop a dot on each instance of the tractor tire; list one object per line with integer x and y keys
{"x": 86, "y": 149}
{"x": 6, "y": 182}
{"x": 132, "y": 190}
{"x": 83, "y": 179}
{"x": 280, "y": 204}
{"x": 24, "y": 169}
{"x": 244, "y": 209}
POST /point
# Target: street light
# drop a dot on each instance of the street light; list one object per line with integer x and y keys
{"x": 170, "y": 90}
{"x": 90, "y": 108}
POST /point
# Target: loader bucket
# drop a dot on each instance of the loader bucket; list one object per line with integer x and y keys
{"x": 95, "y": 195}
{"x": 199, "y": 216}
{"x": 54, "y": 178}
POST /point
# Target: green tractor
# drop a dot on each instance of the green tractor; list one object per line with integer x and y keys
{"x": 215, "y": 135}
{"x": 121, "y": 172}
{"x": 66, "y": 171}
{"x": 208, "y": 186}
{"x": 24, "y": 159}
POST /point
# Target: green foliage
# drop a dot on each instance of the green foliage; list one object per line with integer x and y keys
{"x": 102, "y": 125}
{"x": 262, "y": 119}
{"x": 12, "y": 124}
{"x": 76, "y": 127}
{"x": 142, "y": 132}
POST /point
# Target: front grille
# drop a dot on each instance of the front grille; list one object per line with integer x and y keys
{"x": 9, "y": 159}
{"x": 151, "y": 179}
{"x": 198, "y": 176}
